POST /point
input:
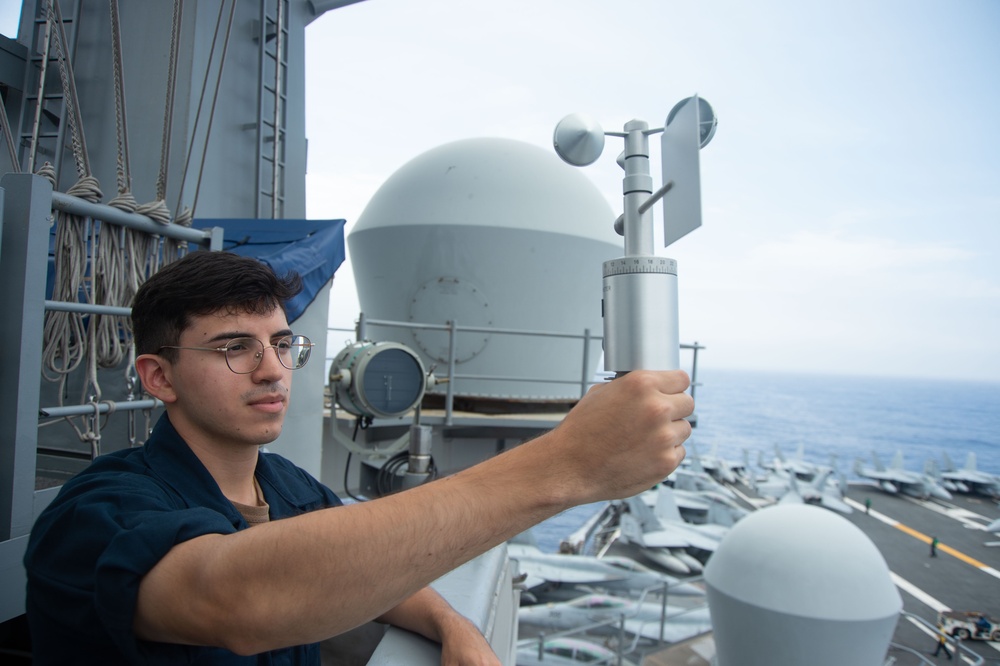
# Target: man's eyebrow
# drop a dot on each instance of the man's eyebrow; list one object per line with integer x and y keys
{"x": 226, "y": 336}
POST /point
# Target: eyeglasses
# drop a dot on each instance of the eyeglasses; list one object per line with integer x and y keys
{"x": 243, "y": 355}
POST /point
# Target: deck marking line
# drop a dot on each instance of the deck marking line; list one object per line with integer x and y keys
{"x": 916, "y": 592}
{"x": 948, "y": 549}
{"x": 956, "y": 513}
{"x": 920, "y": 536}
{"x": 871, "y": 512}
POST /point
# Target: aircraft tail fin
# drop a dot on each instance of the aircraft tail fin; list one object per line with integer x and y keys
{"x": 897, "y": 460}
{"x": 879, "y": 467}
{"x": 931, "y": 469}
{"x": 643, "y": 514}
{"x": 666, "y": 505}
{"x": 949, "y": 466}
{"x": 819, "y": 481}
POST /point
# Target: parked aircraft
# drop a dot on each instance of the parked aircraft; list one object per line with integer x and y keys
{"x": 640, "y": 618}
{"x": 614, "y": 574}
{"x": 993, "y": 528}
{"x": 695, "y": 479}
{"x": 895, "y": 479}
{"x": 718, "y": 468}
{"x": 662, "y": 535}
{"x": 675, "y": 587}
{"x": 971, "y": 478}
{"x": 566, "y": 651}
{"x": 799, "y": 466}
{"x": 931, "y": 469}
{"x": 707, "y": 506}
{"x": 822, "y": 490}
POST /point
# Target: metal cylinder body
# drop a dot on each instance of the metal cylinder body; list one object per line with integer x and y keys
{"x": 646, "y": 285}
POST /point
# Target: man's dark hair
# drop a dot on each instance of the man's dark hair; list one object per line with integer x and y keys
{"x": 199, "y": 284}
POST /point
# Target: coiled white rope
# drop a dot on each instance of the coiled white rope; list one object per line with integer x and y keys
{"x": 119, "y": 259}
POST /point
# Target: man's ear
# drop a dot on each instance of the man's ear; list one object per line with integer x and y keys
{"x": 154, "y": 373}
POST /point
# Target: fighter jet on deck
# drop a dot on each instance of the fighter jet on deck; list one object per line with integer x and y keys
{"x": 895, "y": 479}
{"x": 822, "y": 490}
{"x": 722, "y": 470}
{"x": 972, "y": 479}
{"x": 620, "y": 575}
{"x": 706, "y": 506}
{"x": 566, "y": 651}
{"x": 641, "y": 618}
{"x": 799, "y": 466}
{"x": 662, "y": 535}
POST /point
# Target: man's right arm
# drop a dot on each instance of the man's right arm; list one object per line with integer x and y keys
{"x": 302, "y": 579}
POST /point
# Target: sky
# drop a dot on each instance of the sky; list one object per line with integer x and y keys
{"x": 851, "y": 194}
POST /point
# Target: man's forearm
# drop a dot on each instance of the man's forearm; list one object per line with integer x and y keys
{"x": 302, "y": 579}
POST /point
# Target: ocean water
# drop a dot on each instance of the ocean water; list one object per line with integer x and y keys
{"x": 842, "y": 416}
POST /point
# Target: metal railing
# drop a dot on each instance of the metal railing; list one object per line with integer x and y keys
{"x": 622, "y": 648}
{"x": 585, "y": 380}
{"x": 210, "y": 238}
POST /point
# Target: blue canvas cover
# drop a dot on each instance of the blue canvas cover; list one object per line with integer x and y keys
{"x": 312, "y": 248}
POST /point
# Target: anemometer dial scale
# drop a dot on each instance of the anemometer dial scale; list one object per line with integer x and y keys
{"x": 639, "y": 304}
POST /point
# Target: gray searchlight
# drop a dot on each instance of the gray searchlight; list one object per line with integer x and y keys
{"x": 377, "y": 379}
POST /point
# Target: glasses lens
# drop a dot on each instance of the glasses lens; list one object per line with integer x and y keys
{"x": 293, "y": 352}
{"x": 243, "y": 355}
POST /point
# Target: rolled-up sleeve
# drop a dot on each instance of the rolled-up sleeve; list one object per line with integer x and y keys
{"x": 92, "y": 549}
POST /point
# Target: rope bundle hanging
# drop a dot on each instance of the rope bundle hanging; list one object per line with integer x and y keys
{"x": 97, "y": 262}
{"x": 66, "y": 340}
{"x": 111, "y": 261}
{"x": 64, "y": 334}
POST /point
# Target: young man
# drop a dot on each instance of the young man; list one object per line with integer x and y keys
{"x": 149, "y": 556}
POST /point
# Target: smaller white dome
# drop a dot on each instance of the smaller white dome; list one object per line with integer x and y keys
{"x": 804, "y": 561}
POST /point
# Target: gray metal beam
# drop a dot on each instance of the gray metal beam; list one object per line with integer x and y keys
{"x": 27, "y": 215}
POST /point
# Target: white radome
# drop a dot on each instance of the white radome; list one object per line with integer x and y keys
{"x": 490, "y": 233}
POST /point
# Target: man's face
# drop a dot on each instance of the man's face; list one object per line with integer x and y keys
{"x": 215, "y": 406}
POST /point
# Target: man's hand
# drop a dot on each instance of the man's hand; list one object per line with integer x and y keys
{"x": 462, "y": 644}
{"x": 428, "y": 614}
{"x": 625, "y": 436}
